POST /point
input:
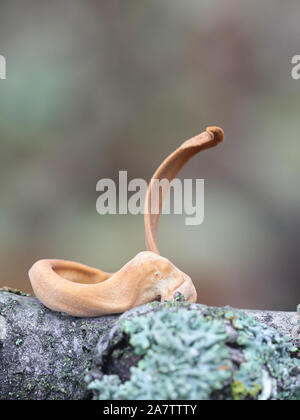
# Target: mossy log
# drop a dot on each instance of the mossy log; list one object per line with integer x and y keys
{"x": 49, "y": 355}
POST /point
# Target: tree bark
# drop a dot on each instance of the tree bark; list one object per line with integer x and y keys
{"x": 46, "y": 355}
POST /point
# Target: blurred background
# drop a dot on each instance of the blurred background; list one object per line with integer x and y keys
{"x": 94, "y": 87}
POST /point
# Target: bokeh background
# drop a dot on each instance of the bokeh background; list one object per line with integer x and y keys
{"x": 94, "y": 87}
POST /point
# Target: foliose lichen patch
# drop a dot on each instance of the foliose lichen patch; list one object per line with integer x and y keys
{"x": 213, "y": 353}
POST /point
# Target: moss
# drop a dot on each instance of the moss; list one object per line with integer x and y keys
{"x": 185, "y": 353}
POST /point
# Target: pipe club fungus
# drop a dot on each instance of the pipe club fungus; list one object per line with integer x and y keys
{"x": 82, "y": 291}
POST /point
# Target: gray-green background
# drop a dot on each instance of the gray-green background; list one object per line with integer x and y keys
{"x": 94, "y": 87}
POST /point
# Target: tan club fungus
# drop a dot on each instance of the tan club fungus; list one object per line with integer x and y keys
{"x": 83, "y": 291}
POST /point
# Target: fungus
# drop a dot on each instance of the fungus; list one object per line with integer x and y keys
{"x": 82, "y": 291}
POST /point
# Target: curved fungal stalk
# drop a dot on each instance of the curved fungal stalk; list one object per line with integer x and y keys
{"x": 82, "y": 291}
{"x": 168, "y": 170}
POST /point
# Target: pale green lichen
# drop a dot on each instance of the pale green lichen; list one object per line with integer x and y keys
{"x": 269, "y": 366}
{"x": 186, "y": 354}
{"x": 184, "y": 357}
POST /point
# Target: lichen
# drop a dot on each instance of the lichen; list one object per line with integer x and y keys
{"x": 19, "y": 342}
{"x": 173, "y": 345}
{"x": 14, "y": 291}
{"x": 187, "y": 354}
{"x": 269, "y": 370}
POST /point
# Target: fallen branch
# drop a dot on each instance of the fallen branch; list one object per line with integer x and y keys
{"x": 46, "y": 355}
